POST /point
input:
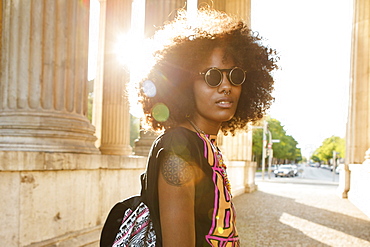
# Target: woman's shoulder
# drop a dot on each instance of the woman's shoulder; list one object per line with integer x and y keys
{"x": 179, "y": 140}
{"x": 178, "y": 134}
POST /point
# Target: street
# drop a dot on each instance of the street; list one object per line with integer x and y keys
{"x": 300, "y": 211}
{"x": 306, "y": 172}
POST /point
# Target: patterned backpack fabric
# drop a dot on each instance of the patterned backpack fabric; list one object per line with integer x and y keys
{"x": 129, "y": 224}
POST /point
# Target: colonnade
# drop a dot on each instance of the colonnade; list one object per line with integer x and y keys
{"x": 43, "y": 96}
{"x": 58, "y": 169}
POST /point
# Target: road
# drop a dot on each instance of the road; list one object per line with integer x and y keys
{"x": 305, "y": 173}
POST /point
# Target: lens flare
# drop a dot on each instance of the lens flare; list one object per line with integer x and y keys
{"x": 149, "y": 88}
{"x": 160, "y": 112}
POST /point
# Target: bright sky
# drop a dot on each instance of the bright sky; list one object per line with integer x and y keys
{"x": 313, "y": 38}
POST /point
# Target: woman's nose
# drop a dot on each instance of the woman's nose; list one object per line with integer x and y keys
{"x": 225, "y": 84}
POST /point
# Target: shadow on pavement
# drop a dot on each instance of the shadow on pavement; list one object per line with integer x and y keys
{"x": 267, "y": 218}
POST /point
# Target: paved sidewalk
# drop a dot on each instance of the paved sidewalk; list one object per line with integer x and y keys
{"x": 303, "y": 213}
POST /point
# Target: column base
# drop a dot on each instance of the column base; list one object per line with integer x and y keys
{"x": 249, "y": 188}
{"x": 113, "y": 149}
{"x": 46, "y": 132}
{"x": 144, "y": 143}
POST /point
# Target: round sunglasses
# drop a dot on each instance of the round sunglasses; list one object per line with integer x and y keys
{"x": 213, "y": 76}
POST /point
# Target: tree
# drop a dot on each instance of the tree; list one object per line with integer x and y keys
{"x": 257, "y": 145}
{"x": 329, "y": 145}
{"x": 315, "y": 158}
{"x": 285, "y": 151}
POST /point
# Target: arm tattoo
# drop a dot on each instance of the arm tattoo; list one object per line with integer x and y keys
{"x": 175, "y": 170}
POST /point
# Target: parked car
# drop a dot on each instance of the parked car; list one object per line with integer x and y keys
{"x": 274, "y": 167}
{"x": 325, "y": 166}
{"x": 284, "y": 171}
{"x": 337, "y": 170}
{"x": 295, "y": 170}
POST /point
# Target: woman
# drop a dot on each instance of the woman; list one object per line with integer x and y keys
{"x": 211, "y": 74}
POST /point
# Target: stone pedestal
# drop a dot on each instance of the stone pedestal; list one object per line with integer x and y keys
{"x": 250, "y": 177}
{"x": 43, "y": 83}
{"x": 358, "y": 193}
{"x": 344, "y": 180}
{"x": 144, "y": 143}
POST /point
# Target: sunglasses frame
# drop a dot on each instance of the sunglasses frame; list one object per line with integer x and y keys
{"x": 228, "y": 75}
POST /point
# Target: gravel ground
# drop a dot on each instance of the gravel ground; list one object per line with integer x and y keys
{"x": 308, "y": 213}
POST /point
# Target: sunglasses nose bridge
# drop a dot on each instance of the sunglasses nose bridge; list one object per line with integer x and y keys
{"x": 225, "y": 82}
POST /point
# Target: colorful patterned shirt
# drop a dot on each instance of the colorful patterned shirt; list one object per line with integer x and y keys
{"x": 214, "y": 210}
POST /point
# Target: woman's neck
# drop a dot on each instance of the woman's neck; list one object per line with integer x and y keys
{"x": 197, "y": 126}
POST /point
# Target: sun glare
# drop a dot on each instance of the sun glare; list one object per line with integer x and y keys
{"x": 133, "y": 51}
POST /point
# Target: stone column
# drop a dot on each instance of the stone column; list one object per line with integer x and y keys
{"x": 97, "y": 111}
{"x": 115, "y": 133}
{"x": 358, "y": 128}
{"x": 215, "y": 4}
{"x": 43, "y": 81}
{"x": 157, "y": 12}
{"x": 240, "y": 8}
{"x": 240, "y": 146}
{"x": 1, "y": 22}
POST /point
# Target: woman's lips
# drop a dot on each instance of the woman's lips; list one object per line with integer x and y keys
{"x": 224, "y": 103}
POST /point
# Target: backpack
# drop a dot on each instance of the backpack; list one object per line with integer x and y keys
{"x": 129, "y": 223}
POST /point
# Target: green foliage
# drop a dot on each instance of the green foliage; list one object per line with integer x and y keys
{"x": 328, "y": 146}
{"x": 304, "y": 159}
{"x": 315, "y": 158}
{"x": 286, "y": 149}
{"x": 257, "y": 145}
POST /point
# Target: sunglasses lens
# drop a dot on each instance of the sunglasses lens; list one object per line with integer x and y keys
{"x": 237, "y": 76}
{"x": 213, "y": 77}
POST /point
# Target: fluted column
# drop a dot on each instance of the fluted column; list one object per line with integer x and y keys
{"x": 215, "y": 4}
{"x": 240, "y": 8}
{"x": 358, "y": 128}
{"x": 43, "y": 84}
{"x": 115, "y": 133}
{"x": 97, "y": 111}
{"x": 157, "y": 12}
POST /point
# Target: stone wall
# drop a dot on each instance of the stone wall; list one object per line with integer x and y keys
{"x": 61, "y": 197}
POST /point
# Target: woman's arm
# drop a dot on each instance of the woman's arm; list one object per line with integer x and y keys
{"x": 176, "y": 189}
